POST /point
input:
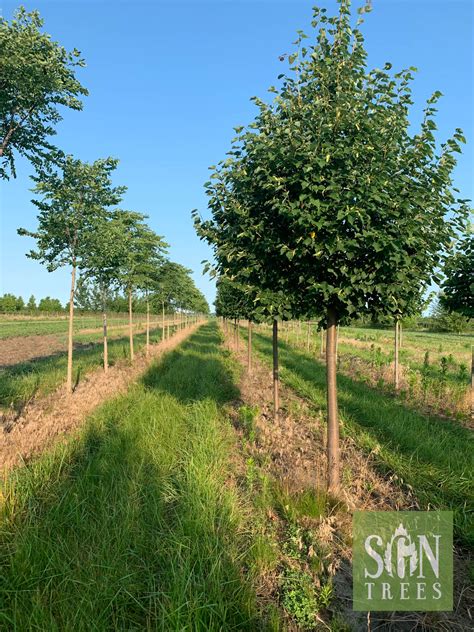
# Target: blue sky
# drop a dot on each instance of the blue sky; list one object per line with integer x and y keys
{"x": 169, "y": 80}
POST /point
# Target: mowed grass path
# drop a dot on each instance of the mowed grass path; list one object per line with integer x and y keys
{"x": 133, "y": 525}
{"x": 434, "y": 457}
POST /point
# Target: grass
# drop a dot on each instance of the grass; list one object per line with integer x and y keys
{"x": 433, "y": 457}
{"x": 22, "y": 381}
{"x": 35, "y": 326}
{"x": 133, "y": 524}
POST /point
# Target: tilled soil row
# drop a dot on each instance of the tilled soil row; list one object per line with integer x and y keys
{"x": 47, "y": 419}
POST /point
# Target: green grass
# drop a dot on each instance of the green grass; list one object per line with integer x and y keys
{"x": 133, "y": 525}
{"x": 433, "y": 457}
{"x": 43, "y": 326}
{"x": 20, "y": 382}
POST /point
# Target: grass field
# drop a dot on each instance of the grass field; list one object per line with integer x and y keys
{"x": 434, "y": 457}
{"x": 435, "y": 368}
{"x": 36, "y": 326}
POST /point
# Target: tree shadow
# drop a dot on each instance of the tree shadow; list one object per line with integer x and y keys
{"x": 195, "y": 371}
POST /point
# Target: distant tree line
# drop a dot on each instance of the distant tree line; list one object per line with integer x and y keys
{"x": 11, "y": 304}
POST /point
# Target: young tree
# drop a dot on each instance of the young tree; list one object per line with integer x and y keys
{"x": 329, "y": 198}
{"x": 37, "y": 76}
{"x": 31, "y": 305}
{"x": 144, "y": 251}
{"x": 50, "y": 305}
{"x": 75, "y": 200}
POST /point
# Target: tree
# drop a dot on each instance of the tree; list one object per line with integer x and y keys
{"x": 458, "y": 287}
{"x": 50, "y": 305}
{"x": 329, "y": 199}
{"x": 31, "y": 305}
{"x": 37, "y": 76}
{"x": 75, "y": 201}
{"x": 10, "y": 303}
{"x": 143, "y": 254}
{"x": 106, "y": 254}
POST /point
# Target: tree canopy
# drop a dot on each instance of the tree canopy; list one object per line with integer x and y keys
{"x": 458, "y": 287}
{"x": 37, "y": 76}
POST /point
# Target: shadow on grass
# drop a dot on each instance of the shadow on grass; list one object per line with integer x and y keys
{"x": 195, "y": 371}
{"x": 132, "y": 527}
{"x": 434, "y": 456}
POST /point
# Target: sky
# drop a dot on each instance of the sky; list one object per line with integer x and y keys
{"x": 168, "y": 82}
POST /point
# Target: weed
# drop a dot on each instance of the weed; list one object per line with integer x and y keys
{"x": 247, "y": 418}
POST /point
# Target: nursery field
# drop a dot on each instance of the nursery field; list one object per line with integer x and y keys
{"x": 34, "y": 364}
{"x": 435, "y": 368}
{"x": 182, "y": 504}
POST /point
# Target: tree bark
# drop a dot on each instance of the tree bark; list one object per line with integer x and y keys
{"x": 163, "y": 332}
{"x": 147, "y": 327}
{"x": 396, "y": 368}
{"x": 249, "y": 349}
{"x": 106, "y": 351}
{"x": 130, "y": 324}
{"x": 276, "y": 377}
{"x": 71, "y": 326}
{"x": 333, "y": 421}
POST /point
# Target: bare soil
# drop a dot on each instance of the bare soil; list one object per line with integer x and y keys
{"x": 47, "y": 420}
{"x": 21, "y": 349}
{"x": 294, "y": 449}
{"x": 29, "y": 348}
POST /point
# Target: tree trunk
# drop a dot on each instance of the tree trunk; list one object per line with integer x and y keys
{"x": 130, "y": 324}
{"x": 396, "y": 367}
{"x": 238, "y": 334}
{"x": 308, "y": 325}
{"x": 322, "y": 343}
{"x": 333, "y": 421}
{"x": 276, "y": 378}
{"x": 147, "y": 327}
{"x": 249, "y": 349}
{"x": 71, "y": 326}
{"x": 163, "y": 333}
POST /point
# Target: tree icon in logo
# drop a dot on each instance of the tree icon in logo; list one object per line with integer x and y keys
{"x": 401, "y": 550}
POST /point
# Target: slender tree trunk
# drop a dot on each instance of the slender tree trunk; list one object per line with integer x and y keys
{"x": 287, "y": 331}
{"x": 147, "y": 327}
{"x": 130, "y": 324}
{"x": 322, "y": 343}
{"x": 163, "y": 333}
{"x": 276, "y": 377}
{"x": 249, "y": 349}
{"x": 238, "y": 334}
{"x": 106, "y": 351}
{"x": 308, "y": 331}
{"x": 337, "y": 342}
{"x": 333, "y": 421}
{"x": 71, "y": 327}
{"x": 396, "y": 367}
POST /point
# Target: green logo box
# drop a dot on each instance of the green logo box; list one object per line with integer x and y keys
{"x": 402, "y": 561}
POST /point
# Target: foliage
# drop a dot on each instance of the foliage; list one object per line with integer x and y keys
{"x": 37, "y": 76}
{"x": 10, "y": 303}
{"x": 75, "y": 198}
{"x": 51, "y": 305}
{"x": 175, "y": 289}
{"x": 458, "y": 287}
{"x": 444, "y": 320}
{"x": 327, "y": 197}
